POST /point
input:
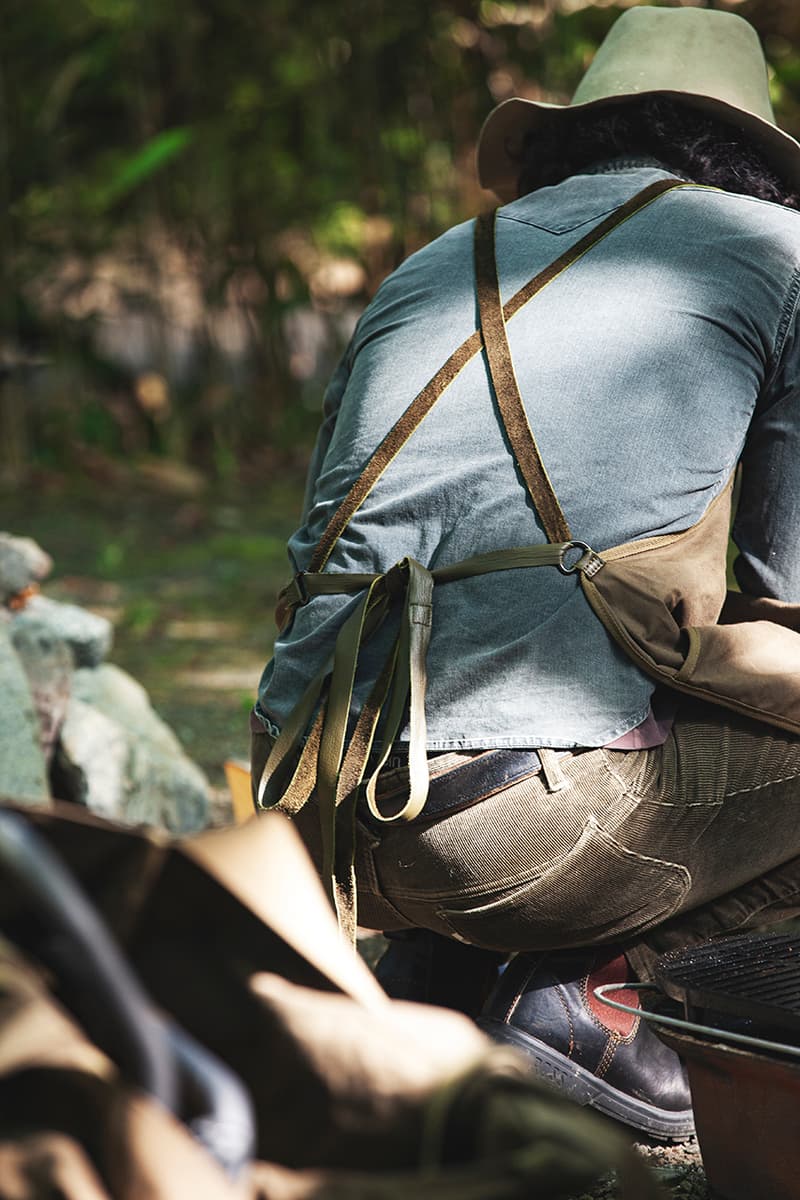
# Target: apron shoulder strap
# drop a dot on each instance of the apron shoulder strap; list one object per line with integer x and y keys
{"x": 422, "y": 404}
{"x": 493, "y": 319}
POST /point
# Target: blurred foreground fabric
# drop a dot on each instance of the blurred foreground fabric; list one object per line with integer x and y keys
{"x": 354, "y": 1095}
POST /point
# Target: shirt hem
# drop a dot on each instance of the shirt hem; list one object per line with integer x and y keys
{"x": 512, "y": 741}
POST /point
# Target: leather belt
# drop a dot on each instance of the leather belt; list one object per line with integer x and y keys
{"x": 450, "y": 788}
{"x": 457, "y": 788}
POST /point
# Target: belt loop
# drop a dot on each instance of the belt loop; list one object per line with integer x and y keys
{"x": 554, "y": 777}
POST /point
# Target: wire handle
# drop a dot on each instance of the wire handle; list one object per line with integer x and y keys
{"x": 741, "y": 1039}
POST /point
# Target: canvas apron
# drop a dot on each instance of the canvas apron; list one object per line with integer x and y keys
{"x": 663, "y": 600}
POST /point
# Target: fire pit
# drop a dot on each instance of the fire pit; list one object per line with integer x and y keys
{"x": 740, "y": 1040}
{"x": 753, "y": 978}
{"x": 746, "y": 1098}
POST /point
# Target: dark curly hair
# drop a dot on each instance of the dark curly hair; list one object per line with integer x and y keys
{"x": 686, "y": 140}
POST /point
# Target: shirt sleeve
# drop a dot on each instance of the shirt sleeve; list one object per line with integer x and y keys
{"x": 767, "y": 526}
{"x": 330, "y": 411}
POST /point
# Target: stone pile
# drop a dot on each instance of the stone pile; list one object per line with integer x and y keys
{"x": 73, "y": 726}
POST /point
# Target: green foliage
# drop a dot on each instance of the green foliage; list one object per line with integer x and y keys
{"x": 111, "y": 558}
{"x": 141, "y": 615}
{"x": 239, "y": 148}
{"x": 341, "y": 228}
{"x": 133, "y": 169}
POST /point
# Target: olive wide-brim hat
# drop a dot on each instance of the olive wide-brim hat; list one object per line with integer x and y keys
{"x": 705, "y": 59}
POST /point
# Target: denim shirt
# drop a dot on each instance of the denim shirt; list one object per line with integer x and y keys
{"x": 649, "y": 369}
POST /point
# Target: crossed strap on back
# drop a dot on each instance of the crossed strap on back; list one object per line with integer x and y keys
{"x": 313, "y": 753}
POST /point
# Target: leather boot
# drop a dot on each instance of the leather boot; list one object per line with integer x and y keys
{"x": 544, "y": 1004}
{"x": 427, "y": 968}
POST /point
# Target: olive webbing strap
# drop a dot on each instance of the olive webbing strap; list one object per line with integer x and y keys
{"x": 274, "y": 790}
{"x": 325, "y": 764}
{"x": 342, "y": 583}
{"x": 340, "y": 884}
{"x": 400, "y": 687}
{"x": 356, "y": 756}
{"x": 419, "y": 408}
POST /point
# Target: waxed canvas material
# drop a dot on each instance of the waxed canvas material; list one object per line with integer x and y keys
{"x": 667, "y": 606}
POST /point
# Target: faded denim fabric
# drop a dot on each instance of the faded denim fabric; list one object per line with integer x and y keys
{"x": 648, "y": 370}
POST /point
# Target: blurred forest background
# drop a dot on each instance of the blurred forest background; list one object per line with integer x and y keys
{"x": 197, "y": 198}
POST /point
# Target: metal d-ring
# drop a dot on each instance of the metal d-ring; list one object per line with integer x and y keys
{"x": 565, "y": 549}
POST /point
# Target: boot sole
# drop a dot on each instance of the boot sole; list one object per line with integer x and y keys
{"x": 584, "y": 1088}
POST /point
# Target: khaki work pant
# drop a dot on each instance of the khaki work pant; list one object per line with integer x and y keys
{"x": 652, "y": 849}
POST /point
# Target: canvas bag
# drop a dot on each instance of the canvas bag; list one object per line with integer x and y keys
{"x": 663, "y": 599}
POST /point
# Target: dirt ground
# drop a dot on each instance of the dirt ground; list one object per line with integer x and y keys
{"x": 679, "y": 1169}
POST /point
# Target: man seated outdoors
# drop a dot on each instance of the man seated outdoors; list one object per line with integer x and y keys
{"x": 510, "y": 774}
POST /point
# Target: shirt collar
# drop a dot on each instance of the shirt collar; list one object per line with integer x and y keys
{"x": 629, "y": 162}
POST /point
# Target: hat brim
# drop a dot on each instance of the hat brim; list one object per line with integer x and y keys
{"x": 504, "y": 130}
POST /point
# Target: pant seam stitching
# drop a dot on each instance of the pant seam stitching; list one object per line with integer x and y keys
{"x": 757, "y": 787}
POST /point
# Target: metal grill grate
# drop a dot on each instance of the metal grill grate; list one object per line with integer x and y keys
{"x": 753, "y": 977}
